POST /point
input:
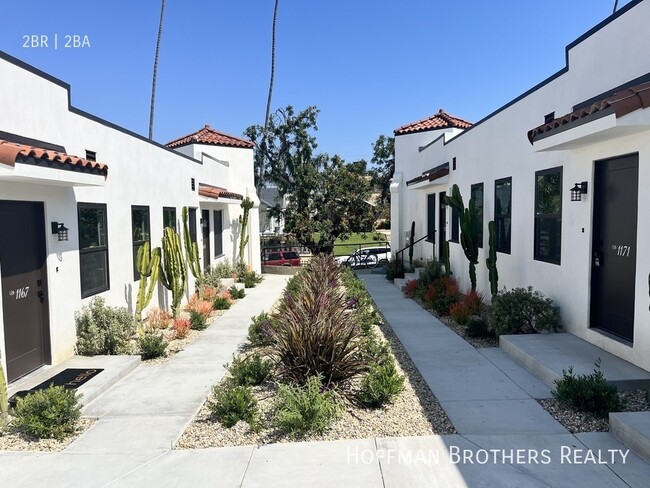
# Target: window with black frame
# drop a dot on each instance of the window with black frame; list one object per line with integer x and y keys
{"x": 476, "y": 194}
{"x": 503, "y": 214}
{"x": 548, "y": 215}
{"x": 140, "y": 232}
{"x": 93, "y": 248}
{"x": 217, "y": 216}
{"x": 169, "y": 217}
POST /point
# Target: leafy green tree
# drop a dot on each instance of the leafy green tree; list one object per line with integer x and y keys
{"x": 383, "y": 160}
{"x": 327, "y": 198}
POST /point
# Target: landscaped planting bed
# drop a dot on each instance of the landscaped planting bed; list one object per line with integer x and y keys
{"x": 370, "y": 389}
{"x": 520, "y": 310}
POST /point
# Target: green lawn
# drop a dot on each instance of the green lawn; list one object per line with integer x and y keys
{"x": 344, "y": 248}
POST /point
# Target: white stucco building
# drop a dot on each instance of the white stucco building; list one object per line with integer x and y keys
{"x": 588, "y": 125}
{"x": 119, "y": 191}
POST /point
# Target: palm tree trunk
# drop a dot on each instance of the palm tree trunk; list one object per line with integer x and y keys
{"x": 260, "y": 182}
{"x": 155, "y": 69}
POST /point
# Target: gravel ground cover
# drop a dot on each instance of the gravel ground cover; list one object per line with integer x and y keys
{"x": 14, "y": 439}
{"x": 415, "y": 412}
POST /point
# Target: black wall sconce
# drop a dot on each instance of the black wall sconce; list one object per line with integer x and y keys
{"x": 60, "y": 229}
{"x": 578, "y": 190}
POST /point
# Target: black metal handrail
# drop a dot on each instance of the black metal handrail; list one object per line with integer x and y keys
{"x": 401, "y": 251}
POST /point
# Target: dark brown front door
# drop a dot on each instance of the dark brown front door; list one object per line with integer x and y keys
{"x": 24, "y": 311}
{"x": 613, "y": 271}
{"x": 442, "y": 216}
{"x": 205, "y": 229}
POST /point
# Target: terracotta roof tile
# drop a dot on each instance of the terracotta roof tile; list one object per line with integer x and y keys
{"x": 621, "y": 103}
{"x": 208, "y": 135}
{"x": 11, "y": 153}
{"x": 430, "y": 174}
{"x": 441, "y": 120}
{"x": 217, "y": 192}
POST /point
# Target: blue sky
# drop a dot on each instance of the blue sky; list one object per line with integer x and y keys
{"x": 368, "y": 65}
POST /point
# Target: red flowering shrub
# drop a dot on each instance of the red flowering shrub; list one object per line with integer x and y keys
{"x": 181, "y": 327}
{"x": 411, "y": 288}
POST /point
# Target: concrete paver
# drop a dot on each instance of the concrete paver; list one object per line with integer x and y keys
{"x": 488, "y": 397}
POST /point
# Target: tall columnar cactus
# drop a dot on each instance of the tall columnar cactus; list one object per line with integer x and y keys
{"x": 447, "y": 260}
{"x": 191, "y": 248}
{"x": 491, "y": 261}
{"x": 246, "y": 206}
{"x": 411, "y": 244}
{"x": 4, "y": 405}
{"x": 468, "y": 225}
{"x": 172, "y": 267}
{"x": 148, "y": 263}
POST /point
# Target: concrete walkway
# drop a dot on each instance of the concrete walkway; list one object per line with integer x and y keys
{"x": 488, "y": 397}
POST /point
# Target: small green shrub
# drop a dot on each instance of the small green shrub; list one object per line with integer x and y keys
{"x": 251, "y": 279}
{"x": 477, "y": 326}
{"x": 260, "y": 332}
{"x": 230, "y": 404}
{"x": 103, "y": 330}
{"x": 152, "y": 346}
{"x": 198, "y": 321}
{"x": 523, "y": 311}
{"x": 250, "y": 371}
{"x": 431, "y": 273}
{"x": 49, "y": 413}
{"x": 376, "y": 351}
{"x": 588, "y": 393}
{"x": 236, "y": 293}
{"x": 381, "y": 385}
{"x": 222, "y": 270}
{"x": 295, "y": 283}
{"x": 298, "y": 410}
{"x": 221, "y": 303}
{"x": 394, "y": 269}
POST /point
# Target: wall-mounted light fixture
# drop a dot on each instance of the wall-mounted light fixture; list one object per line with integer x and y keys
{"x": 578, "y": 190}
{"x": 61, "y": 230}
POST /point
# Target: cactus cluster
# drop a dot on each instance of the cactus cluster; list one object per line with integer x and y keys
{"x": 191, "y": 248}
{"x": 172, "y": 268}
{"x": 468, "y": 227}
{"x": 246, "y": 206}
{"x": 491, "y": 261}
{"x": 148, "y": 264}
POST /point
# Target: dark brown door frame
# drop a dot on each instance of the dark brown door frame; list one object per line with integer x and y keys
{"x": 40, "y": 292}
{"x": 205, "y": 233}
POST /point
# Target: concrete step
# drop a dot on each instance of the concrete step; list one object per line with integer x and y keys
{"x": 115, "y": 368}
{"x": 546, "y": 355}
{"x": 633, "y": 430}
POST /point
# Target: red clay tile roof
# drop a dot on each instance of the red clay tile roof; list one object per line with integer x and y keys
{"x": 208, "y": 135}
{"x": 11, "y": 153}
{"x": 621, "y": 103}
{"x": 216, "y": 192}
{"x": 430, "y": 174}
{"x": 441, "y": 120}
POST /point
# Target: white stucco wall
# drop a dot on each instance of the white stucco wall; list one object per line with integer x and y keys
{"x": 498, "y": 148}
{"x": 140, "y": 173}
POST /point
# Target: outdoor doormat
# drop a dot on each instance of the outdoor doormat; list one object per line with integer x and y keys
{"x": 68, "y": 378}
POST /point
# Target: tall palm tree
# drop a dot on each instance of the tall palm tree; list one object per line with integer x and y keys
{"x": 260, "y": 183}
{"x": 155, "y": 69}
